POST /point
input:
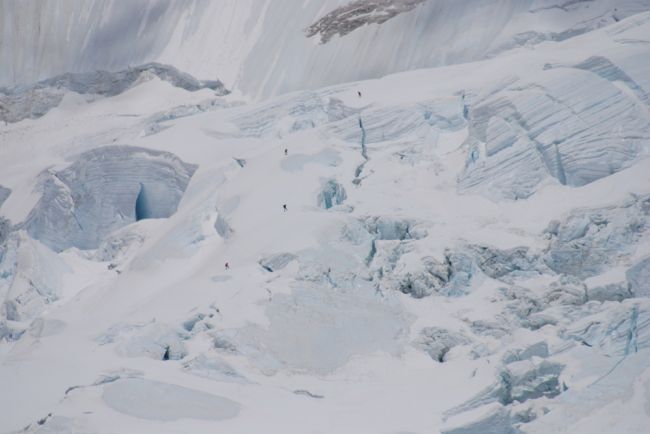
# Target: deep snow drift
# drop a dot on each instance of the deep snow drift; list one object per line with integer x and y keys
{"x": 465, "y": 249}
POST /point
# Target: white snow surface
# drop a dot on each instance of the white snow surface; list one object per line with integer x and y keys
{"x": 465, "y": 248}
{"x": 260, "y": 47}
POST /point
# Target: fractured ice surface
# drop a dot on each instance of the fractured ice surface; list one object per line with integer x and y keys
{"x": 290, "y": 114}
{"x": 618, "y": 331}
{"x": 588, "y": 240}
{"x": 222, "y": 226}
{"x": 119, "y": 244}
{"x": 493, "y": 419}
{"x": 639, "y": 278}
{"x": 358, "y": 13}
{"x": 539, "y": 349}
{"x": 524, "y": 380}
{"x": 565, "y": 123}
{"x": 30, "y": 277}
{"x": 5, "y": 228}
{"x": 103, "y": 190}
{"x": 636, "y": 80}
{"x": 517, "y": 382}
{"x": 390, "y": 228}
{"x": 437, "y": 342}
{"x": 400, "y": 121}
{"x": 332, "y": 193}
{"x": 507, "y": 264}
{"x": 33, "y": 101}
{"x": 157, "y": 341}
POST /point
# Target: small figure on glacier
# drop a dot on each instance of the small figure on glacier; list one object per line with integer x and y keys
{"x": 286, "y": 151}
{"x": 359, "y": 93}
{"x": 227, "y": 266}
{"x": 284, "y": 207}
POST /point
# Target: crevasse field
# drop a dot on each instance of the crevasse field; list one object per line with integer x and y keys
{"x": 465, "y": 247}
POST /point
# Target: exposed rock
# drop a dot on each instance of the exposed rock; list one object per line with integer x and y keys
{"x": 345, "y": 19}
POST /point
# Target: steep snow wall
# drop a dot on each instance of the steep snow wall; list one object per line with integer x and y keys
{"x": 263, "y": 47}
{"x": 103, "y": 190}
{"x": 570, "y": 123}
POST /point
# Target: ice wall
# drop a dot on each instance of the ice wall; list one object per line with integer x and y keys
{"x": 103, "y": 190}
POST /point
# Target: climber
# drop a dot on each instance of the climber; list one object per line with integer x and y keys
{"x": 359, "y": 92}
{"x": 286, "y": 151}
{"x": 284, "y": 207}
{"x": 227, "y": 266}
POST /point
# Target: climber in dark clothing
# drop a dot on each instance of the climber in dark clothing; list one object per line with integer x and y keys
{"x": 286, "y": 151}
{"x": 284, "y": 207}
{"x": 359, "y": 92}
{"x": 227, "y": 266}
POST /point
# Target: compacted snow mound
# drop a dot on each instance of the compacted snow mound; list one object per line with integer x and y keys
{"x": 103, "y": 190}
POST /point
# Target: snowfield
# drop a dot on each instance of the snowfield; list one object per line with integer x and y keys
{"x": 465, "y": 247}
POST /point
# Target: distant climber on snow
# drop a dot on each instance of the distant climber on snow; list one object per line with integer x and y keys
{"x": 284, "y": 207}
{"x": 286, "y": 151}
{"x": 227, "y": 266}
{"x": 359, "y": 92}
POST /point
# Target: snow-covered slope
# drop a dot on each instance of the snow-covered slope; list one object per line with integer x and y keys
{"x": 465, "y": 249}
{"x": 262, "y": 48}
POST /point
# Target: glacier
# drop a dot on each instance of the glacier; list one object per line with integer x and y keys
{"x": 465, "y": 243}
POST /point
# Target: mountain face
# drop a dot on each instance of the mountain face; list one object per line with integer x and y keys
{"x": 371, "y": 216}
{"x": 268, "y": 47}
